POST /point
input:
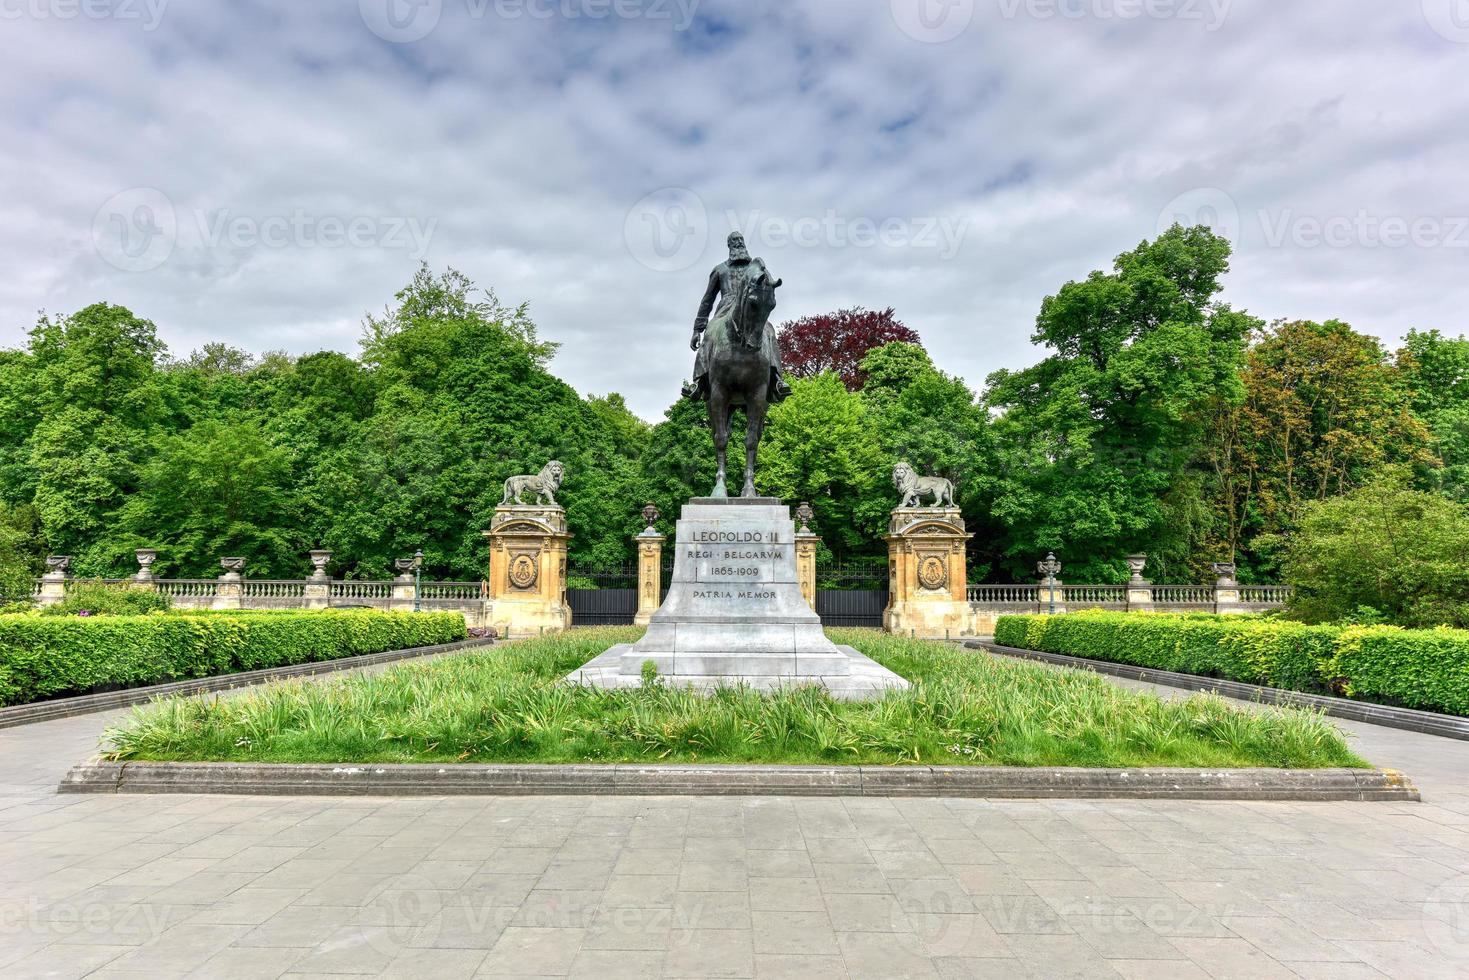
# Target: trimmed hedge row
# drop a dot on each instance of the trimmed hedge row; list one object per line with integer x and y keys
{"x": 42, "y": 657}
{"x": 1427, "y": 669}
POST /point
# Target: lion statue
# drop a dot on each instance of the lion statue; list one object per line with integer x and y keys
{"x": 544, "y": 485}
{"x": 914, "y": 487}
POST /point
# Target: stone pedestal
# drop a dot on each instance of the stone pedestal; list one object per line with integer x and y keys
{"x": 53, "y": 583}
{"x": 229, "y": 593}
{"x": 650, "y": 575}
{"x": 318, "y": 591}
{"x": 1049, "y": 591}
{"x": 1139, "y": 589}
{"x": 528, "y": 570}
{"x": 735, "y": 613}
{"x": 928, "y": 587}
{"x": 1226, "y": 589}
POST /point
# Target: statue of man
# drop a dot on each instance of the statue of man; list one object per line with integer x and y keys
{"x": 724, "y": 285}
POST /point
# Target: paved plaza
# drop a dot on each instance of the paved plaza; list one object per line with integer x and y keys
{"x": 235, "y": 887}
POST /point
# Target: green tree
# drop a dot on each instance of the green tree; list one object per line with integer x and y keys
{"x": 1394, "y": 551}
{"x": 820, "y": 446}
{"x": 213, "y": 491}
{"x": 97, "y": 399}
{"x": 1093, "y": 443}
{"x": 1324, "y": 412}
{"x": 22, "y": 549}
{"x": 1435, "y": 370}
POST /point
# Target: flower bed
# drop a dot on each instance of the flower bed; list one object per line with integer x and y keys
{"x": 510, "y": 705}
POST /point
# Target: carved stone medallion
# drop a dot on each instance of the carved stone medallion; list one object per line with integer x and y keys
{"x": 933, "y": 573}
{"x": 523, "y": 572}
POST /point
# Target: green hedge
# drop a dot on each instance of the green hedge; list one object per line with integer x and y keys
{"x": 1426, "y": 669}
{"x": 43, "y": 657}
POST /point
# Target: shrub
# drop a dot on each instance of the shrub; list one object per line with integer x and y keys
{"x": 43, "y": 657}
{"x": 1384, "y": 554}
{"x": 1426, "y": 669}
{"x": 101, "y": 599}
{"x": 1418, "y": 668}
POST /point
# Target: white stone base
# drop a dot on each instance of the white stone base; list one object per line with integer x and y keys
{"x": 860, "y": 678}
{"x": 734, "y": 613}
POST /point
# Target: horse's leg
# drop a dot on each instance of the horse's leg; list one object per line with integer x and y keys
{"x": 719, "y": 410}
{"x": 755, "y": 409}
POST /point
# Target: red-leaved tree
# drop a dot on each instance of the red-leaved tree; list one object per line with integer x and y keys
{"x": 838, "y": 342}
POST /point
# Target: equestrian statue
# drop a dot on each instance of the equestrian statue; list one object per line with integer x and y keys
{"x": 738, "y": 362}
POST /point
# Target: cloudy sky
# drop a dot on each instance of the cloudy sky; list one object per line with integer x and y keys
{"x": 264, "y": 173}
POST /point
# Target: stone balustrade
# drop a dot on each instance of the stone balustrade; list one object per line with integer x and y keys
{"x": 989, "y": 602}
{"x": 225, "y": 592}
{"x": 918, "y": 550}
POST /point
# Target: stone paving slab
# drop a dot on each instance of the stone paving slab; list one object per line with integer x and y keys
{"x": 217, "y": 886}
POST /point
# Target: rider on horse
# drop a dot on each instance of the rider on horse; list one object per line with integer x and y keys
{"x": 727, "y": 283}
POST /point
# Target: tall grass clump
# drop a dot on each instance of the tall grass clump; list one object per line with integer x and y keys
{"x": 509, "y": 704}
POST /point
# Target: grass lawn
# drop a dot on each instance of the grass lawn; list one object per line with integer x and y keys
{"x": 505, "y": 705}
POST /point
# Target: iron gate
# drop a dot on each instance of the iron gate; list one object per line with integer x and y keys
{"x": 603, "y": 596}
{"x": 851, "y": 607}
{"x": 852, "y": 595}
{"x": 602, "y": 607}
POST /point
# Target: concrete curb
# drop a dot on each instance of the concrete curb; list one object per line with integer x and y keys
{"x": 1407, "y": 719}
{"x": 27, "y": 714}
{"x": 253, "y": 779}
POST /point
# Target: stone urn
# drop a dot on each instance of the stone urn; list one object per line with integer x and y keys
{"x": 320, "y": 559}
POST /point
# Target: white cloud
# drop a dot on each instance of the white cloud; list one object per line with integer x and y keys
{"x": 1053, "y": 141}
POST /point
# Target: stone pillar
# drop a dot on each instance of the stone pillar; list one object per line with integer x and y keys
{"x": 928, "y": 588}
{"x": 1226, "y": 588}
{"x": 1139, "y": 589}
{"x": 53, "y": 583}
{"x": 650, "y": 575}
{"x": 230, "y": 592}
{"x": 807, "y": 545}
{"x": 318, "y": 592}
{"x": 528, "y": 570}
{"x": 144, "y": 579}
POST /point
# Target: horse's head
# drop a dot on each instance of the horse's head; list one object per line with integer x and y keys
{"x": 755, "y": 305}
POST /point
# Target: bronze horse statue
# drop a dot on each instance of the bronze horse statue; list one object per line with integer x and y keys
{"x": 741, "y": 361}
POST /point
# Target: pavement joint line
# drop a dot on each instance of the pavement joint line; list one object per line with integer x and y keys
{"x": 39, "y": 711}
{"x": 1388, "y": 716}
